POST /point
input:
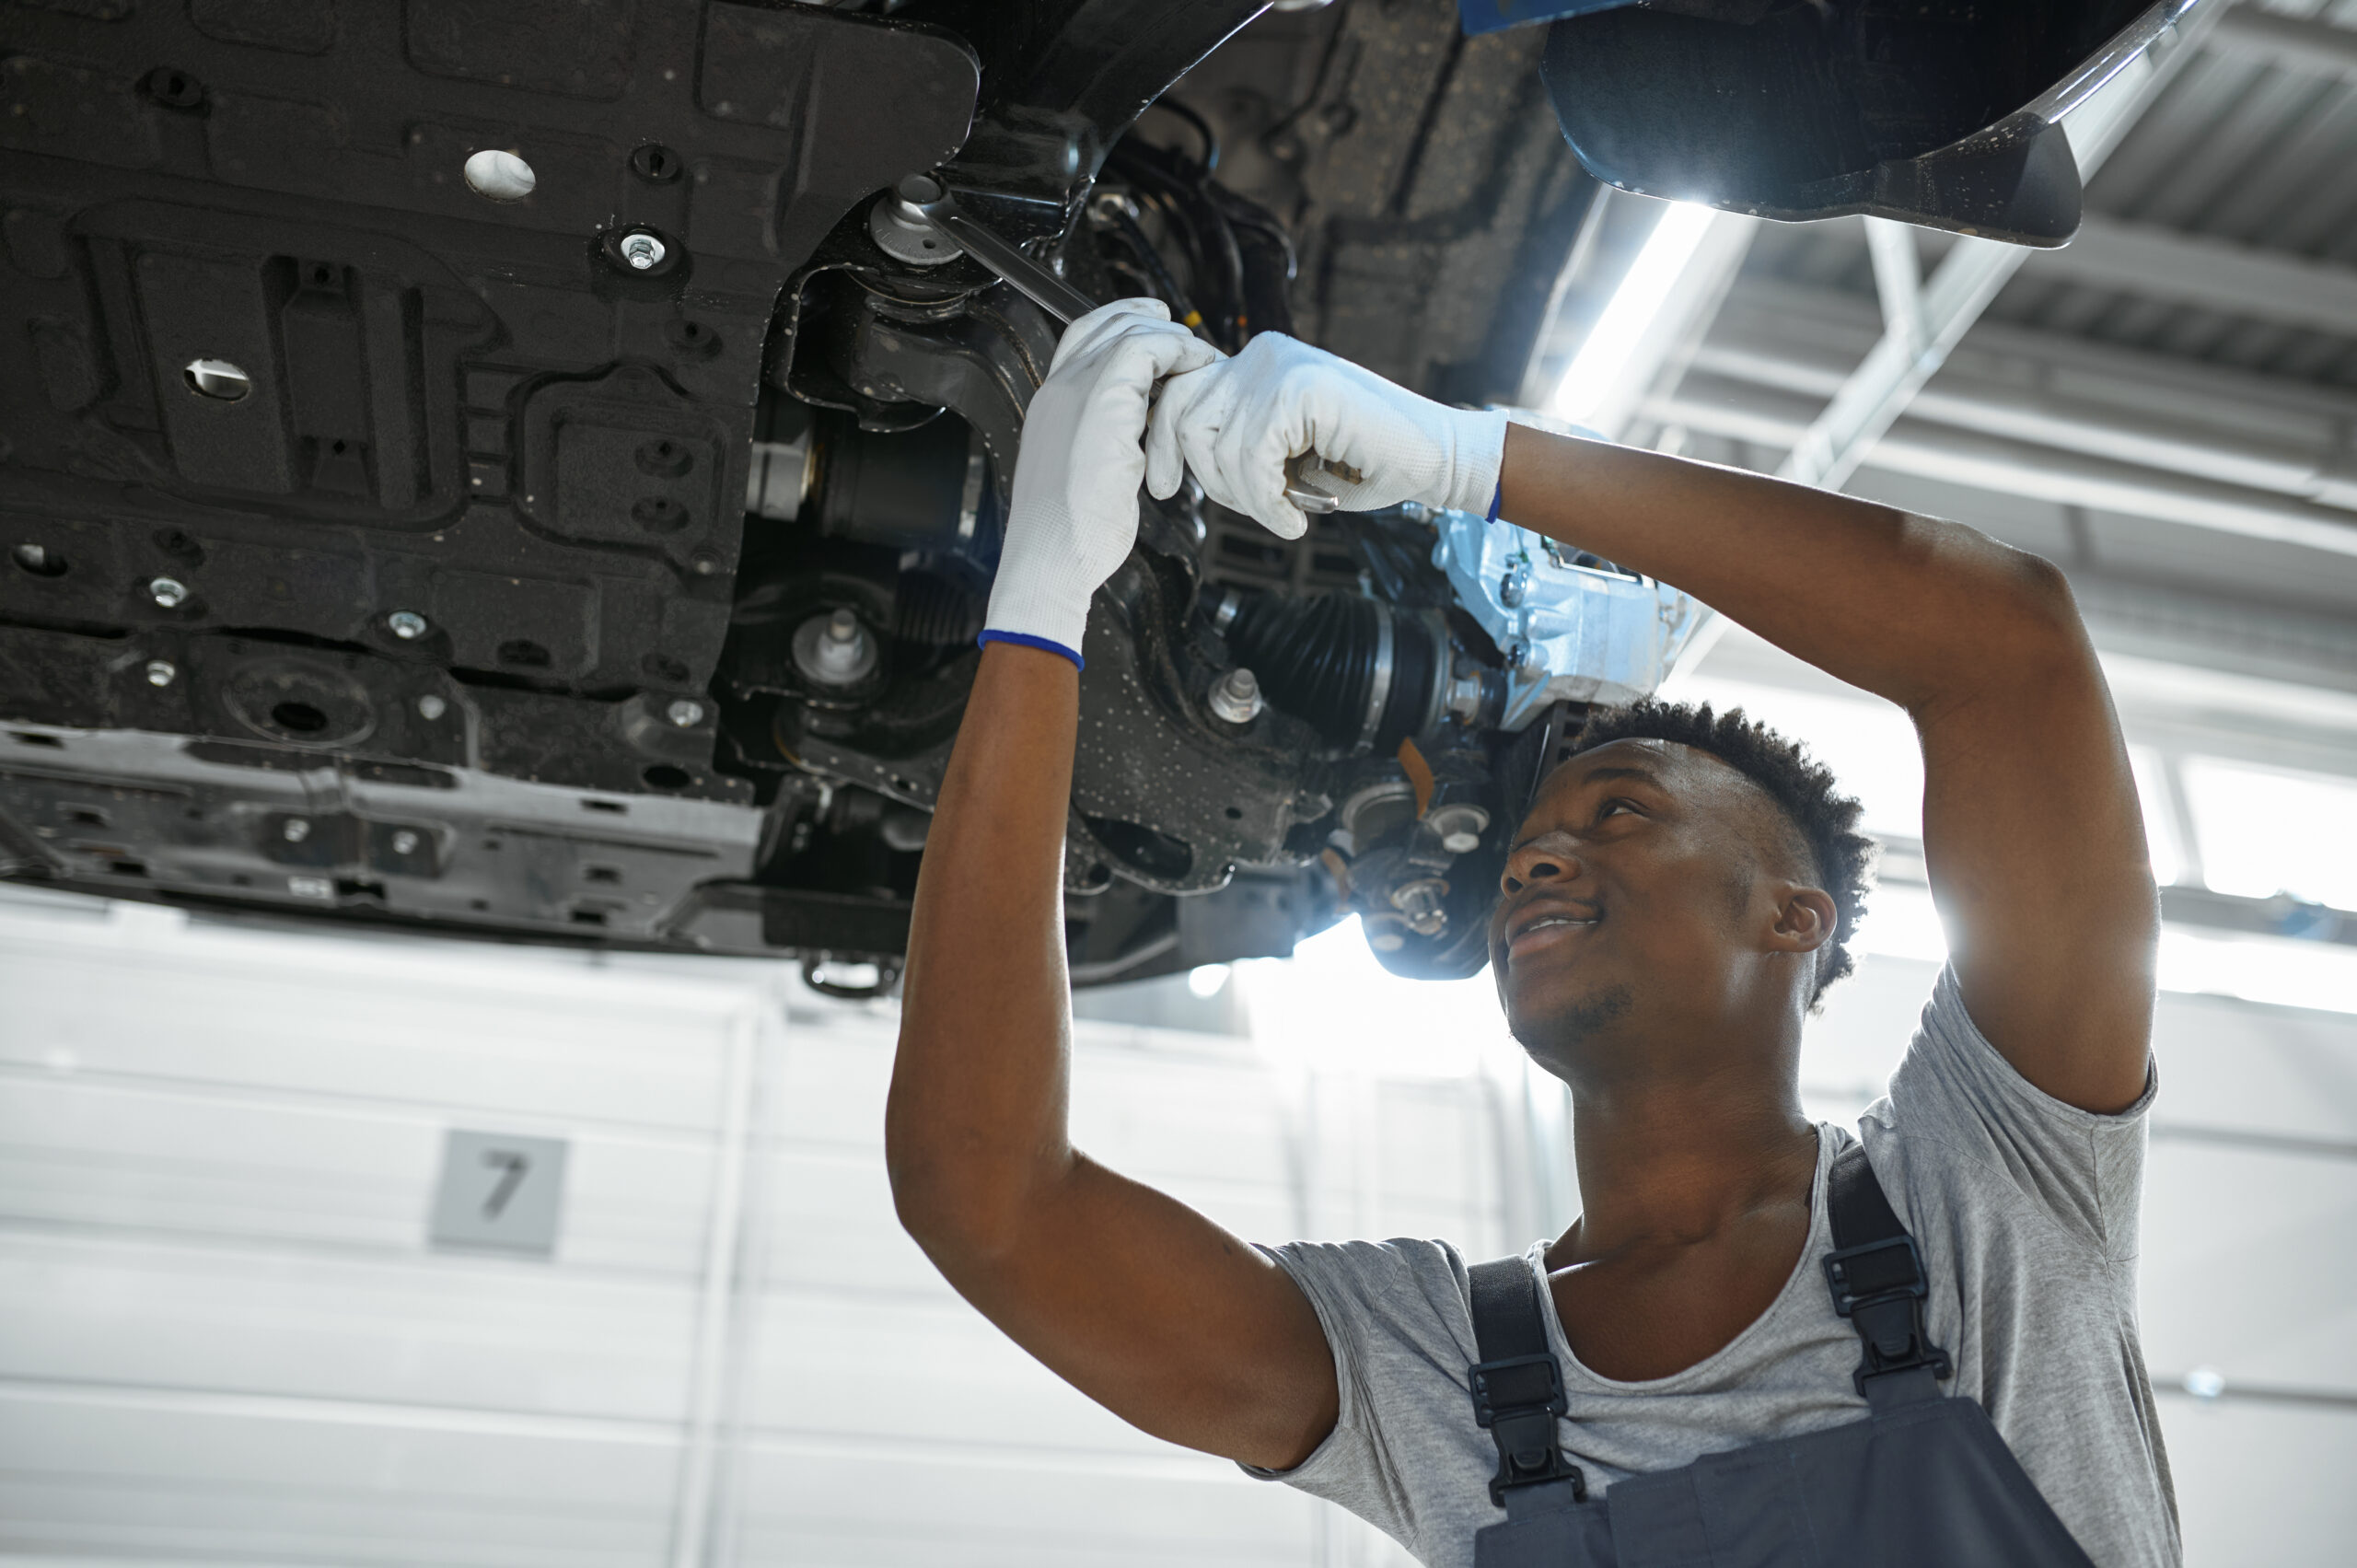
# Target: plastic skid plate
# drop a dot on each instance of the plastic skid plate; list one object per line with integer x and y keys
{"x": 327, "y": 437}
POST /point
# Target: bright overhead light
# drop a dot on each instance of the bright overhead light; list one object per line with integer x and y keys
{"x": 1604, "y": 358}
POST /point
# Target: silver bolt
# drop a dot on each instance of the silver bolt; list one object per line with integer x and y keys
{"x": 835, "y": 651}
{"x": 1236, "y": 696}
{"x": 160, "y": 671}
{"x": 404, "y": 842}
{"x": 297, "y": 829}
{"x": 406, "y": 625}
{"x": 1422, "y": 902}
{"x": 686, "y": 712}
{"x": 167, "y": 591}
{"x": 1460, "y": 827}
{"x": 431, "y": 707}
{"x": 642, "y": 251}
{"x": 1516, "y": 587}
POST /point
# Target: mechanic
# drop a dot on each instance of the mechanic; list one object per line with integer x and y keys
{"x": 1764, "y": 1340}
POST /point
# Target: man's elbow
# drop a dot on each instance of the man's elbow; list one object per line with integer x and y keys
{"x": 2030, "y": 624}
{"x": 956, "y": 1212}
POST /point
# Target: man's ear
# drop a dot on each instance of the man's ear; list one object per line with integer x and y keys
{"x": 1806, "y": 920}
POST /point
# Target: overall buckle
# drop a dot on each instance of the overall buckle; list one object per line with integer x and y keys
{"x": 1880, "y": 1287}
{"x": 1516, "y": 1400}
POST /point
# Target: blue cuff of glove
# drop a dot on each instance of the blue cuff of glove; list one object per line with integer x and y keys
{"x": 1024, "y": 640}
{"x": 1497, "y": 500}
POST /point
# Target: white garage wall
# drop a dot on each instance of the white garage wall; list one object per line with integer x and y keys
{"x": 222, "y": 1336}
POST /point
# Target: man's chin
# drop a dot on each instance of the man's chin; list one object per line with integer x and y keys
{"x": 1556, "y": 1026}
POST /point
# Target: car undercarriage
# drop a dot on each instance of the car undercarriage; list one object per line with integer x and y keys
{"x": 514, "y": 471}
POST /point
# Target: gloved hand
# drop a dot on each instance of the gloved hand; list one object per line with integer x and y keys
{"x": 1236, "y": 422}
{"x": 1074, "y": 515}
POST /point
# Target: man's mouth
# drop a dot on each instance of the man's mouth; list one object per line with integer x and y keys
{"x": 1542, "y": 928}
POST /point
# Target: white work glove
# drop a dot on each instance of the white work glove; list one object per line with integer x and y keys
{"x": 1236, "y": 423}
{"x": 1074, "y": 515}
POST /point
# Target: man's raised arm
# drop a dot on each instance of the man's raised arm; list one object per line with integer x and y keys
{"x": 1137, "y": 1300}
{"x": 2032, "y": 831}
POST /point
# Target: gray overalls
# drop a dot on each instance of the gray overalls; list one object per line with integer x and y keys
{"x": 1923, "y": 1481}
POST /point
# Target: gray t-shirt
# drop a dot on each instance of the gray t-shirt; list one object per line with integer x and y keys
{"x": 2026, "y": 1211}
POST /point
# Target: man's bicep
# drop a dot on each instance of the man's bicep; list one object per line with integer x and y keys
{"x": 2034, "y": 844}
{"x": 1165, "y": 1319}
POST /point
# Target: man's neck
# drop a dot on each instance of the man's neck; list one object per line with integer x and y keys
{"x": 1670, "y": 1163}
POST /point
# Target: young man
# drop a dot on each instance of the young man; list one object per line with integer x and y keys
{"x": 1679, "y": 1378}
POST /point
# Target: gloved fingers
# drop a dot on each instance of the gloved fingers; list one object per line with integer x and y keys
{"x": 1092, "y": 329}
{"x": 1184, "y": 398}
{"x": 1284, "y": 519}
{"x": 1169, "y": 348}
{"x": 1248, "y": 455}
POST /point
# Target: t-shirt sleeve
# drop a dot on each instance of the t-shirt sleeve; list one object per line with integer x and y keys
{"x": 1390, "y": 1310}
{"x": 1954, "y": 1090}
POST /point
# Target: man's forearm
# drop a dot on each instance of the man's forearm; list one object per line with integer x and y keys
{"x": 976, "y": 1116}
{"x": 1887, "y": 601}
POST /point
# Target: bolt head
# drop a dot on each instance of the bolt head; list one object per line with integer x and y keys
{"x": 642, "y": 251}
{"x": 406, "y": 625}
{"x": 842, "y": 626}
{"x": 161, "y": 672}
{"x": 1462, "y": 843}
{"x": 170, "y": 592}
{"x": 1236, "y": 696}
{"x": 404, "y": 842}
{"x": 686, "y": 712}
{"x": 297, "y": 829}
{"x": 431, "y": 707}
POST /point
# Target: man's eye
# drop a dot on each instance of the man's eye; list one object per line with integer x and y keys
{"x": 1611, "y": 807}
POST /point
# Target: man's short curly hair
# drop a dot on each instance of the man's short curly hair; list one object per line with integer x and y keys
{"x": 1801, "y": 787}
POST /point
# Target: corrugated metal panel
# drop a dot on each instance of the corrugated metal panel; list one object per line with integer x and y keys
{"x": 226, "y": 1339}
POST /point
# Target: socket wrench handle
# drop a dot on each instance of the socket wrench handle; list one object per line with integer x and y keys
{"x": 924, "y": 198}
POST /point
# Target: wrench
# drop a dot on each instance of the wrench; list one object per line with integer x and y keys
{"x": 923, "y": 197}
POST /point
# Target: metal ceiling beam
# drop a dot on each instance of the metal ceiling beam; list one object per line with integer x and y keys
{"x": 2299, "y": 459}
{"x": 1919, "y": 448}
{"x": 1974, "y": 271}
{"x": 2206, "y": 272}
{"x": 1805, "y": 321}
{"x": 2295, "y": 44}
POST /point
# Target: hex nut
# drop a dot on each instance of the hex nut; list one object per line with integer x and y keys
{"x": 834, "y": 649}
{"x": 642, "y": 251}
{"x": 687, "y": 712}
{"x": 170, "y": 592}
{"x": 1459, "y": 827}
{"x": 1235, "y": 697}
{"x": 296, "y": 831}
{"x": 161, "y": 672}
{"x": 406, "y": 625}
{"x": 405, "y": 843}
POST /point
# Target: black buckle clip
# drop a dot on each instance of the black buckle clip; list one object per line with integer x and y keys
{"x": 1516, "y": 1400}
{"x": 1859, "y": 1275}
{"x": 1880, "y": 1287}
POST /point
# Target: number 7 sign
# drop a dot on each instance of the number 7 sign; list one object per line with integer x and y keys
{"x": 498, "y": 1192}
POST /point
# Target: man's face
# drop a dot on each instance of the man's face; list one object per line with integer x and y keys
{"x": 1632, "y": 892}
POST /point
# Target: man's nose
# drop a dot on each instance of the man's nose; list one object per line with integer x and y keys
{"x": 1539, "y": 861}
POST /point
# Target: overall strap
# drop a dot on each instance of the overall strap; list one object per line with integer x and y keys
{"x": 1878, "y": 1282}
{"x": 1517, "y": 1384}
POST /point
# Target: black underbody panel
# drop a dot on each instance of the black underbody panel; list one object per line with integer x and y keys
{"x": 594, "y": 553}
